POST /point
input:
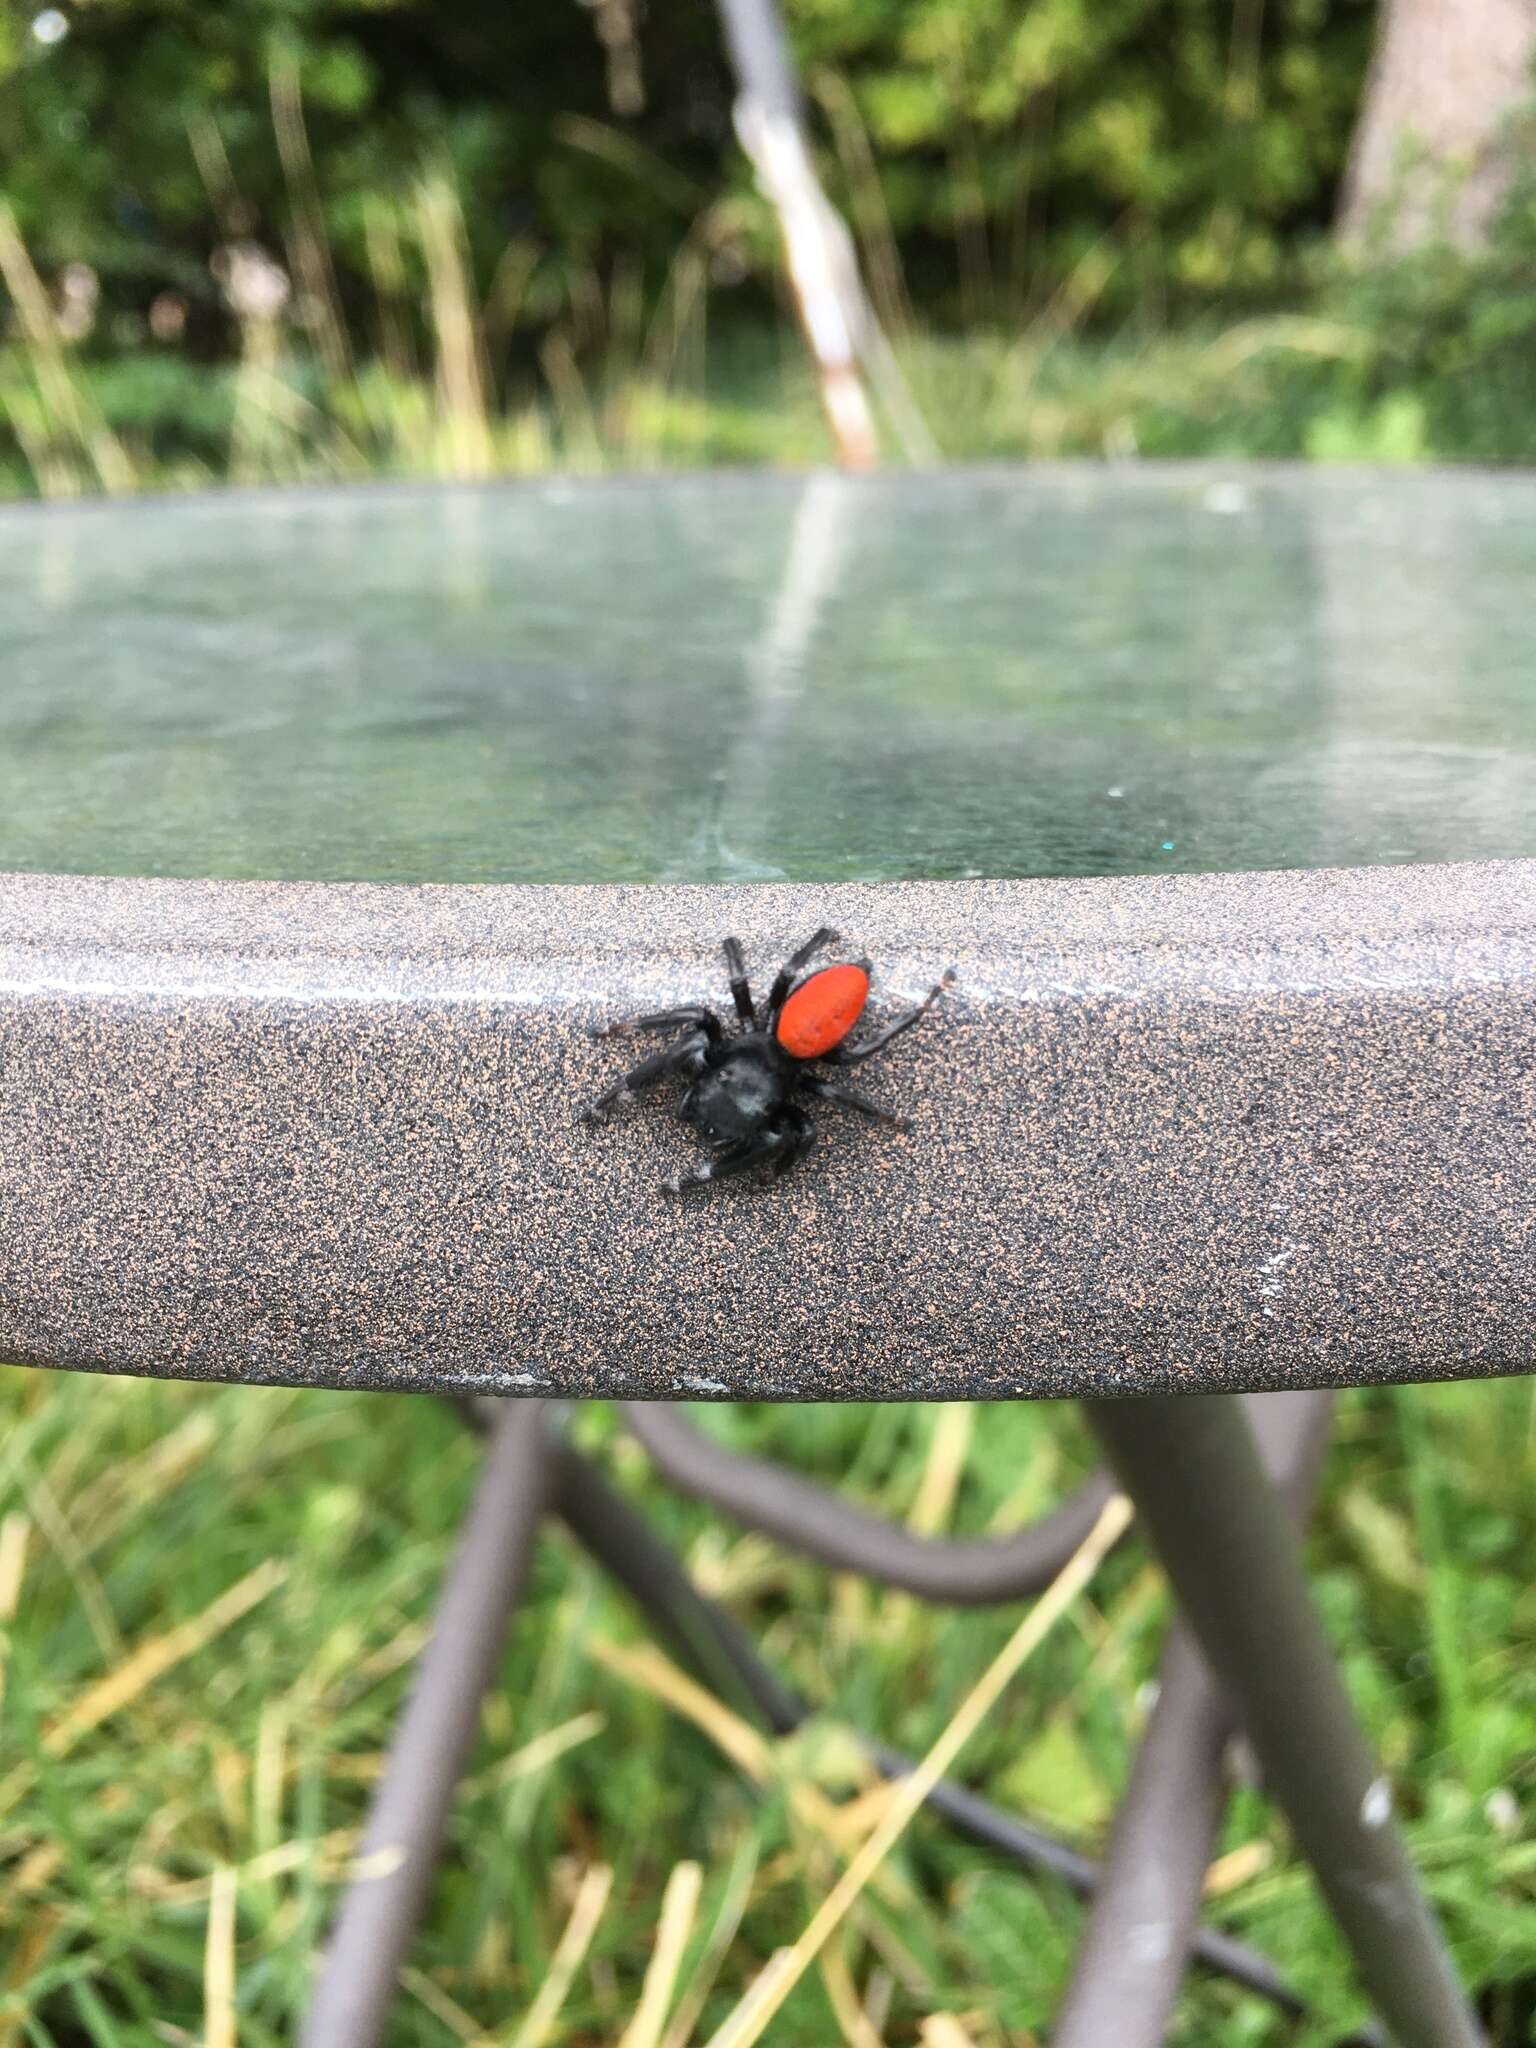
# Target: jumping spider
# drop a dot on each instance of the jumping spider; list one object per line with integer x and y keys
{"x": 745, "y": 1091}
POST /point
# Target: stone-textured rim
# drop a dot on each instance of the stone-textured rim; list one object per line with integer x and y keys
{"x": 1198, "y": 1133}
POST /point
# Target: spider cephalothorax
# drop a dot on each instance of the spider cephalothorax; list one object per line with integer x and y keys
{"x": 745, "y": 1092}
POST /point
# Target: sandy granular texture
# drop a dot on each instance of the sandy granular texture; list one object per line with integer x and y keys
{"x": 1194, "y": 1133}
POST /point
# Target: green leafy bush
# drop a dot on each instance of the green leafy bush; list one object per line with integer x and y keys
{"x": 478, "y": 241}
{"x": 1196, "y": 140}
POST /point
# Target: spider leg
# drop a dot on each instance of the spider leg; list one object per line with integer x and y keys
{"x": 695, "y": 1014}
{"x": 686, "y": 1057}
{"x": 779, "y": 1147}
{"x": 784, "y": 979}
{"x": 850, "y": 1055}
{"x": 834, "y": 1091}
{"x": 741, "y": 991}
{"x": 801, "y": 1137}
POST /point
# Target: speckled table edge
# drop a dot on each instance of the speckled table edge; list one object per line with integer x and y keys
{"x": 1185, "y": 1133}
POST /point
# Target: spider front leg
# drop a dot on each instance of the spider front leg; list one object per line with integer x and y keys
{"x": 695, "y": 1015}
{"x": 686, "y": 1057}
{"x": 779, "y": 1147}
{"x": 850, "y": 1055}
{"x": 802, "y": 1136}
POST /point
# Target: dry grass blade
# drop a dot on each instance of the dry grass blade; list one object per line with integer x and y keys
{"x": 59, "y": 1530}
{"x": 538, "y": 1754}
{"x": 753, "y": 1755}
{"x": 325, "y": 1859}
{"x": 644, "y": 1665}
{"x": 66, "y": 402}
{"x": 33, "y": 1946}
{"x": 149, "y": 1662}
{"x": 311, "y": 250}
{"x": 219, "y": 1964}
{"x": 619, "y": 149}
{"x": 746, "y": 2024}
{"x": 403, "y": 1648}
{"x": 36, "y": 1869}
{"x": 679, "y": 1907}
{"x": 573, "y": 402}
{"x": 386, "y": 264}
{"x": 880, "y": 254}
{"x": 267, "y": 1777}
{"x": 461, "y": 378}
{"x": 539, "y": 2021}
{"x": 949, "y": 1446}
{"x": 733, "y": 1905}
{"x": 15, "y": 1531}
{"x": 842, "y": 1995}
{"x": 160, "y": 1654}
{"x": 213, "y": 167}
{"x": 146, "y": 1480}
{"x": 943, "y": 2030}
{"x": 1238, "y": 1867}
{"x": 440, "y": 2005}
{"x": 948, "y": 1449}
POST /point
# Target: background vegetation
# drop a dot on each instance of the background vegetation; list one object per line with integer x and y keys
{"x": 291, "y": 238}
{"x": 1195, "y": 142}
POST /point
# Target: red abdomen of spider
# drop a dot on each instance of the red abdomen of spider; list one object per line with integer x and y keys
{"x": 822, "y": 1011}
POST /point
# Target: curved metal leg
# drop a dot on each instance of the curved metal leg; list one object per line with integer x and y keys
{"x": 714, "y": 1645}
{"x": 1192, "y": 1469}
{"x": 806, "y": 1517}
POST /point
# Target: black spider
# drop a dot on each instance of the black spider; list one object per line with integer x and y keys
{"x": 744, "y": 1092}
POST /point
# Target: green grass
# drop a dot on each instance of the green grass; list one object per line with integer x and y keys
{"x": 129, "y": 1509}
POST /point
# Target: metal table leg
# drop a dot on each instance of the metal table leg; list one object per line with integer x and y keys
{"x": 1191, "y": 1466}
{"x": 356, "y": 1986}
{"x": 713, "y": 1644}
{"x": 1135, "y": 1947}
{"x": 1245, "y": 1594}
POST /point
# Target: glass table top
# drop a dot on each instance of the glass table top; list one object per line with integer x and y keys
{"x": 1067, "y": 671}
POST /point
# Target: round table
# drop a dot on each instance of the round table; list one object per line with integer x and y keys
{"x": 1215, "y": 789}
{"x": 334, "y": 822}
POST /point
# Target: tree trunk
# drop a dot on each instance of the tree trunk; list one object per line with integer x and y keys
{"x": 1430, "y": 155}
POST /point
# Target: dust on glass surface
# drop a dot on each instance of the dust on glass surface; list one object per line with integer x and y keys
{"x": 1029, "y": 673}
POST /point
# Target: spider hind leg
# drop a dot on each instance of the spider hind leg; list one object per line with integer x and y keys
{"x": 853, "y": 1098}
{"x": 741, "y": 988}
{"x": 846, "y": 1055}
{"x": 784, "y": 980}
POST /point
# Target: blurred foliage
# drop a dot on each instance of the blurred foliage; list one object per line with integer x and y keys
{"x": 1196, "y": 139}
{"x": 295, "y": 239}
{"x": 1449, "y": 365}
{"x": 1428, "y": 358}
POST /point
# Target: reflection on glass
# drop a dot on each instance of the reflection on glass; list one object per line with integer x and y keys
{"x": 997, "y": 674}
